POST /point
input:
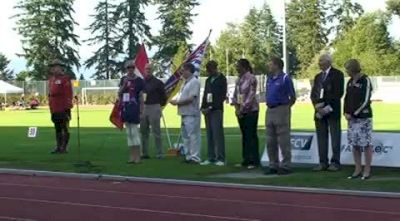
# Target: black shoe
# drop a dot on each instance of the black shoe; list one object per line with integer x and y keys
{"x": 354, "y": 176}
{"x": 366, "y": 177}
{"x": 145, "y": 157}
{"x": 284, "y": 171}
{"x": 271, "y": 172}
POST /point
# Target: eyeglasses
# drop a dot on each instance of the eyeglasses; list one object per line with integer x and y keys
{"x": 130, "y": 67}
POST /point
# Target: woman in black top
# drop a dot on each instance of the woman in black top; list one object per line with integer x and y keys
{"x": 358, "y": 112}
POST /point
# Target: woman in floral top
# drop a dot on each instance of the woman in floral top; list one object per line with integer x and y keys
{"x": 247, "y": 108}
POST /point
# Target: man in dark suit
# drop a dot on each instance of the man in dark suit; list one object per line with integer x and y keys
{"x": 326, "y": 94}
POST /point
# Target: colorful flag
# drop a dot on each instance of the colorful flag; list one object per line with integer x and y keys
{"x": 116, "y": 117}
{"x": 140, "y": 61}
{"x": 174, "y": 82}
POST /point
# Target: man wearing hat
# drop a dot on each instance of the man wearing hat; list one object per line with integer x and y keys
{"x": 60, "y": 103}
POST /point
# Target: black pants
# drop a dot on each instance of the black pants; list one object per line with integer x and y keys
{"x": 61, "y": 125}
{"x": 324, "y": 127}
{"x": 248, "y": 127}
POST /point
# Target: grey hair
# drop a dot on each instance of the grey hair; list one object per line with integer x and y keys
{"x": 326, "y": 58}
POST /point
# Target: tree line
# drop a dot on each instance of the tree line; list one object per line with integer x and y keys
{"x": 118, "y": 26}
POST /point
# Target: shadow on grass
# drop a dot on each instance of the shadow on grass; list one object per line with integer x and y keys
{"x": 107, "y": 151}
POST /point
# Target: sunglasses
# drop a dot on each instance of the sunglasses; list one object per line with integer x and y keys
{"x": 130, "y": 67}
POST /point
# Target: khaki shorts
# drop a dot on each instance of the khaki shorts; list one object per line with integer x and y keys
{"x": 133, "y": 135}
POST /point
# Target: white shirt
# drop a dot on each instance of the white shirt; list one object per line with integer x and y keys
{"x": 191, "y": 88}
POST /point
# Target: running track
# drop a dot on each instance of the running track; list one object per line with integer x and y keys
{"x": 28, "y": 198}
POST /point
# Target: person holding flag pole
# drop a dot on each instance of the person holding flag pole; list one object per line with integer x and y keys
{"x": 141, "y": 70}
{"x": 189, "y": 110}
{"x": 189, "y": 71}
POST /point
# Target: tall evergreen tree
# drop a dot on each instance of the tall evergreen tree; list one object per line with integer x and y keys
{"x": 47, "y": 29}
{"x": 258, "y": 38}
{"x": 176, "y": 17}
{"x": 370, "y": 42}
{"x": 343, "y": 14}
{"x": 261, "y": 38}
{"x": 23, "y": 76}
{"x": 5, "y": 73}
{"x": 306, "y": 30}
{"x": 228, "y": 49}
{"x": 133, "y": 29}
{"x": 104, "y": 31}
{"x": 393, "y": 6}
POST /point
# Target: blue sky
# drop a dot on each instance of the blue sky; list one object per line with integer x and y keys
{"x": 212, "y": 14}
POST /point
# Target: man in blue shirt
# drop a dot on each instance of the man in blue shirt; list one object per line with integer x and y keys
{"x": 280, "y": 97}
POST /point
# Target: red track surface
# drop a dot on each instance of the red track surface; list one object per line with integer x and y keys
{"x": 45, "y": 198}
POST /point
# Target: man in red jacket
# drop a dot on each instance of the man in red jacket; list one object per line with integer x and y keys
{"x": 60, "y": 102}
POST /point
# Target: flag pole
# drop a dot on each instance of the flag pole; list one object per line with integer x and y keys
{"x": 80, "y": 162}
{"x": 175, "y": 150}
{"x": 284, "y": 45}
{"x": 166, "y": 130}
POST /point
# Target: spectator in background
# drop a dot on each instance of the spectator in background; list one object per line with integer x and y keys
{"x": 213, "y": 109}
{"x": 154, "y": 98}
{"x": 280, "y": 97}
{"x": 326, "y": 94}
{"x": 130, "y": 93}
{"x": 60, "y": 102}
{"x": 358, "y": 113}
{"x": 187, "y": 101}
{"x": 34, "y": 104}
{"x": 246, "y": 109}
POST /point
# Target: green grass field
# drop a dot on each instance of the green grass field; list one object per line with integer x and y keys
{"x": 106, "y": 148}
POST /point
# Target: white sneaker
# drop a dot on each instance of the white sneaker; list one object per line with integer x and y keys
{"x": 219, "y": 163}
{"x": 205, "y": 163}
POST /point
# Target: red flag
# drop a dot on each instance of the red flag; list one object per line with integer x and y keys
{"x": 116, "y": 117}
{"x": 140, "y": 61}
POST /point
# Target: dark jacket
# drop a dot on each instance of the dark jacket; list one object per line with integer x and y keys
{"x": 155, "y": 90}
{"x": 333, "y": 87}
{"x": 218, "y": 89}
{"x": 357, "y": 101}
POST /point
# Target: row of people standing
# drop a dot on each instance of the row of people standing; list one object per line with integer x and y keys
{"x": 327, "y": 91}
{"x": 280, "y": 97}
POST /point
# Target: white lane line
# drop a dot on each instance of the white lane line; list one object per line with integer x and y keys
{"x": 222, "y": 200}
{"x": 66, "y": 203}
